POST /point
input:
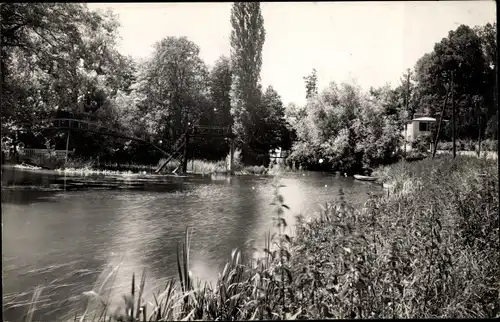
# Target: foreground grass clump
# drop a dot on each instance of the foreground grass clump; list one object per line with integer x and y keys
{"x": 431, "y": 253}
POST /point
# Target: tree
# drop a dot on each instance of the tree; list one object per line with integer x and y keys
{"x": 220, "y": 87}
{"x": 348, "y": 129}
{"x": 311, "y": 84}
{"x": 218, "y": 112}
{"x": 247, "y": 39}
{"x": 462, "y": 53}
{"x": 57, "y": 57}
{"x": 36, "y": 39}
{"x": 391, "y": 99}
{"x": 325, "y": 131}
{"x": 489, "y": 108}
{"x": 377, "y": 134}
{"x": 272, "y": 118}
{"x": 174, "y": 85}
{"x": 294, "y": 116}
{"x": 487, "y": 34}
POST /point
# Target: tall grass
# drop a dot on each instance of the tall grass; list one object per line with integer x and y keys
{"x": 193, "y": 166}
{"x": 427, "y": 253}
{"x": 207, "y": 167}
{"x": 470, "y": 145}
{"x": 81, "y": 165}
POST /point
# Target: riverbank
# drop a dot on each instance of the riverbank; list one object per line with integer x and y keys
{"x": 427, "y": 250}
{"x": 196, "y": 167}
{"x": 246, "y": 171}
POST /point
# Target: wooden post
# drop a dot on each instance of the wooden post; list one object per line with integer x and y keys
{"x": 407, "y": 98}
{"x": 231, "y": 162}
{"x": 453, "y": 117}
{"x": 16, "y": 142}
{"x": 495, "y": 104}
{"x": 436, "y": 141}
{"x": 479, "y": 138}
{"x": 67, "y": 146}
{"x": 405, "y": 135}
{"x": 185, "y": 158}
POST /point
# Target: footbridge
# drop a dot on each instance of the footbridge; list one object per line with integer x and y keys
{"x": 177, "y": 152}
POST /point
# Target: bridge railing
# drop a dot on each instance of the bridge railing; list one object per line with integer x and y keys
{"x": 77, "y": 124}
{"x": 211, "y": 130}
{"x": 43, "y": 152}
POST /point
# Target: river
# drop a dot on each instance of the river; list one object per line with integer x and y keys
{"x": 62, "y": 231}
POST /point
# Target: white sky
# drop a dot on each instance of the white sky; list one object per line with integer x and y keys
{"x": 371, "y": 43}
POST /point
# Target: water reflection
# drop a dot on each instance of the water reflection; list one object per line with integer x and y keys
{"x": 65, "y": 238}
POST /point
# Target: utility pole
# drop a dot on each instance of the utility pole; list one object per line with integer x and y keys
{"x": 453, "y": 117}
{"x": 479, "y": 122}
{"x": 185, "y": 155}
{"x": 67, "y": 146}
{"x": 479, "y": 125}
{"x": 436, "y": 141}
{"x": 495, "y": 102}
{"x": 407, "y": 98}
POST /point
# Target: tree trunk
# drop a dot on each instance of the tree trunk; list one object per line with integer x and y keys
{"x": 185, "y": 157}
{"x": 231, "y": 164}
{"x": 453, "y": 117}
{"x": 406, "y": 131}
{"x": 67, "y": 146}
{"x": 479, "y": 139}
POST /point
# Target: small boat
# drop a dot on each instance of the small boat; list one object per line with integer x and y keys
{"x": 364, "y": 178}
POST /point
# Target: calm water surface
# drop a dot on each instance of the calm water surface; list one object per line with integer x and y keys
{"x": 64, "y": 232}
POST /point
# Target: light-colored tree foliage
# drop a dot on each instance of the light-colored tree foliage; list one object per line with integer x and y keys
{"x": 174, "y": 85}
{"x": 347, "y": 128}
{"x": 59, "y": 59}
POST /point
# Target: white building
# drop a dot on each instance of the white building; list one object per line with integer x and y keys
{"x": 417, "y": 127}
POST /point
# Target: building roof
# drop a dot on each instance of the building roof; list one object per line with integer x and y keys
{"x": 425, "y": 118}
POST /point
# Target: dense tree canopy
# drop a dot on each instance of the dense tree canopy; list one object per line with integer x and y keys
{"x": 345, "y": 128}
{"x": 468, "y": 54}
{"x": 58, "y": 58}
{"x": 61, "y": 59}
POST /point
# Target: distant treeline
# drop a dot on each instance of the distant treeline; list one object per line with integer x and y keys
{"x": 61, "y": 59}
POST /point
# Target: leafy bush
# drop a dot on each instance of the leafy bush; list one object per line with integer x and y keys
{"x": 346, "y": 128}
{"x": 258, "y": 170}
{"x": 238, "y": 165}
{"x": 489, "y": 145}
{"x": 421, "y": 144}
{"x": 447, "y": 146}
